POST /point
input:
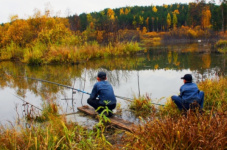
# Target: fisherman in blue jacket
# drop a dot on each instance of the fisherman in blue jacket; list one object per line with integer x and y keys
{"x": 102, "y": 94}
{"x": 189, "y": 93}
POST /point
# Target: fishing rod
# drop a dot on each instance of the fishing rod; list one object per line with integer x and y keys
{"x": 66, "y": 86}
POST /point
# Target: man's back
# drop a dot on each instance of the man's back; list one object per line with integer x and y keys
{"x": 189, "y": 92}
{"x": 105, "y": 92}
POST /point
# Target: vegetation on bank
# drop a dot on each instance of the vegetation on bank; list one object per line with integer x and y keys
{"x": 221, "y": 46}
{"x": 42, "y": 39}
{"x": 164, "y": 128}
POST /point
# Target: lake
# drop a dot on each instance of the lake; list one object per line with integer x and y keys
{"x": 155, "y": 72}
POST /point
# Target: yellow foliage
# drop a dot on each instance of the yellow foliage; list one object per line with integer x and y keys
{"x": 192, "y": 33}
{"x": 165, "y": 6}
{"x": 127, "y": 11}
{"x": 176, "y": 11}
{"x": 110, "y": 14}
{"x": 122, "y": 11}
{"x": 206, "y": 16}
{"x": 144, "y": 30}
{"x": 168, "y": 20}
{"x": 156, "y": 66}
{"x": 151, "y": 34}
{"x": 99, "y": 36}
{"x": 154, "y": 9}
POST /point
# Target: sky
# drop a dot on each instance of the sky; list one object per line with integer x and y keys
{"x": 62, "y": 8}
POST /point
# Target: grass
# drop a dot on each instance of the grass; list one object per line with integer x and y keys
{"x": 142, "y": 106}
{"x": 215, "y": 94}
{"x": 54, "y": 132}
{"x": 191, "y": 132}
{"x": 39, "y": 53}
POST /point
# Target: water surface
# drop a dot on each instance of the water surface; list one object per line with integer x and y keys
{"x": 156, "y": 73}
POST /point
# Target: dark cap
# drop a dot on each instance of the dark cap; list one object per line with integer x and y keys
{"x": 102, "y": 75}
{"x": 187, "y": 77}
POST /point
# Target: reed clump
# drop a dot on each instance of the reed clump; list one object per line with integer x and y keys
{"x": 215, "y": 94}
{"x": 142, "y": 106}
{"x": 191, "y": 132}
{"x": 42, "y": 54}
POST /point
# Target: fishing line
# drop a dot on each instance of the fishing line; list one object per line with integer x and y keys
{"x": 25, "y": 101}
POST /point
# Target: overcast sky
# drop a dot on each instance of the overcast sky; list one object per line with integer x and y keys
{"x": 25, "y": 8}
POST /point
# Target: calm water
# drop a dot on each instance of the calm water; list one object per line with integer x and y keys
{"x": 156, "y": 73}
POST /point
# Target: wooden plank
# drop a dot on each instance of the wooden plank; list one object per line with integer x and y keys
{"x": 113, "y": 120}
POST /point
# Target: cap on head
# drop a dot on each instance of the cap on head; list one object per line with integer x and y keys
{"x": 102, "y": 75}
{"x": 187, "y": 77}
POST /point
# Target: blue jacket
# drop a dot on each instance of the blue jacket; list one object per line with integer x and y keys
{"x": 189, "y": 92}
{"x": 104, "y": 91}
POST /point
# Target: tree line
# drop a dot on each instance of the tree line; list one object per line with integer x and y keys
{"x": 154, "y": 18}
{"x": 42, "y": 38}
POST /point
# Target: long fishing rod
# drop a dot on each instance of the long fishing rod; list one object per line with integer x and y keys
{"x": 58, "y": 84}
{"x": 124, "y": 98}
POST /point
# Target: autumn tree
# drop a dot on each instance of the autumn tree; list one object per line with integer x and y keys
{"x": 175, "y": 21}
{"x": 122, "y": 11}
{"x": 110, "y": 14}
{"x": 168, "y": 21}
{"x": 154, "y": 9}
{"x": 127, "y": 11}
{"x": 19, "y": 33}
{"x": 141, "y": 20}
{"x": 206, "y": 16}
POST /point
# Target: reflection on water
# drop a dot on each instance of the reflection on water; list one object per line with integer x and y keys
{"x": 156, "y": 73}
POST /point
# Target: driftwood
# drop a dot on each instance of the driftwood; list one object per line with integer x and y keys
{"x": 118, "y": 122}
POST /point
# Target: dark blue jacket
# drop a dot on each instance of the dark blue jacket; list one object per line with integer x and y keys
{"x": 104, "y": 91}
{"x": 189, "y": 92}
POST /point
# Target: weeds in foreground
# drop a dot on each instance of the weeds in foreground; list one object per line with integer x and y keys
{"x": 101, "y": 126}
{"x": 191, "y": 132}
{"x": 48, "y": 109}
{"x": 54, "y": 134}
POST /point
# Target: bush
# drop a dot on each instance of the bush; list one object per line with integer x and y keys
{"x": 221, "y": 45}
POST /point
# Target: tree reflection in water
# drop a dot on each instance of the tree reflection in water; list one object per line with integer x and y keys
{"x": 156, "y": 72}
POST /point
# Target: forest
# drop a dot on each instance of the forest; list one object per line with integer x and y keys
{"x": 44, "y": 39}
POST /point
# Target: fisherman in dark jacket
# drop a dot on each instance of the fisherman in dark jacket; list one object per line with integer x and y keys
{"x": 189, "y": 93}
{"x": 102, "y": 94}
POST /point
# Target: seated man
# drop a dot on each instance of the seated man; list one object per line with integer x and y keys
{"x": 102, "y": 94}
{"x": 189, "y": 93}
